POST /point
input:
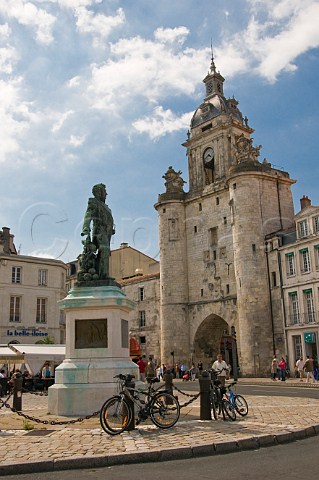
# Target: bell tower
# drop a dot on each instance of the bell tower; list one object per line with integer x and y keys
{"x": 212, "y": 238}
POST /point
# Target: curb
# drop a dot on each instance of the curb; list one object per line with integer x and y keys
{"x": 143, "y": 456}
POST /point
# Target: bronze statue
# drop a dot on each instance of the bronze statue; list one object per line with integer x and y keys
{"x": 94, "y": 261}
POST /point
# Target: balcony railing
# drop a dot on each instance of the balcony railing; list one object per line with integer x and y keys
{"x": 307, "y": 318}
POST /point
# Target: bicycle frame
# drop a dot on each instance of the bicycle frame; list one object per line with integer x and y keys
{"x": 143, "y": 406}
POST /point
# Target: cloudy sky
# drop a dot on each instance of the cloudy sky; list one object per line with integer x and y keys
{"x": 103, "y": 91}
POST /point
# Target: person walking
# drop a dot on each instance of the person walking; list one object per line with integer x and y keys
{"x": 182, "y": 369}
{"x": 221, "y": 366}
{"x": 200, "y": 367}
{"x": 308, "y": 367}
{"x": 192, "y": 372}
{"x": 150, "y": 368}
{"x": 300, "y": 368}
{"x": 282, "y": 369}
{"x": 142, "y": 367}
{"x": 274, "y": 368}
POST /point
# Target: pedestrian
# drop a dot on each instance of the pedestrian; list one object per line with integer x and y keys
{"x": 200, "y": 367}
{"x": 221, "y": 367}
{"x": 300, "y": 368}
{"x": 176, "y": 371}
{"x": 192, "y": 372}
{"x": 142, "y": 367}
{"x": 3, "y": 382}
{"x": 282, "y": 365}
{"x": 308, "y": 367}
{"x": 182, "y": 369}
{"x": 150, "y": 368}
{"x": 159, "y": 372}
{"x": 274, "y": 368}
{"x": 315, "y": 369}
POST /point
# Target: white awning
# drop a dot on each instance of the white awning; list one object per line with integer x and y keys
{"x": 33, "y": 355}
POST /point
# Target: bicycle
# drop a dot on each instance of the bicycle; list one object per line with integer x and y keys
{"x": 238, "y": 402}
{"x": 117, "y": 412}
{"x": 220, "y": 404}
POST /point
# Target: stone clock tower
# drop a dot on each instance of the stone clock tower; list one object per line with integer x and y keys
{"x": 214, "y": 271}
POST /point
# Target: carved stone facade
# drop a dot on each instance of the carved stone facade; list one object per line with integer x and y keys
{"x": 213, "y": 270}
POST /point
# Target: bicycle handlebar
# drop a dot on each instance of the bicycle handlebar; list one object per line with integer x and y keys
{"x": 128, "y": 377}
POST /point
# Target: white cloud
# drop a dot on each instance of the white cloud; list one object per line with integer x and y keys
{"x": 4, "y": 31}
{"x": 26, "y": 13}
{"x": 146, "y": 69}
{"x": 161, "y": 122}
{"x": 8, "y": 56}
{"x": 98, "y": 25}
{"x": 276, "y": 34}
{"x": 77, "y": 140}
{"x": 170, "y": 35}
{"x": 14, "y": 117}
{"x": 62, "y": 118}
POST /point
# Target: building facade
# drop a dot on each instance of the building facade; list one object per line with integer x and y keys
{"x": 213, "y": 262}
{"x": 294, "y": 271}
{"x": 30, "y": 288}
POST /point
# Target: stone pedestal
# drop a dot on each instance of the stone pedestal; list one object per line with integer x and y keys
{"x": 97, "y": 349}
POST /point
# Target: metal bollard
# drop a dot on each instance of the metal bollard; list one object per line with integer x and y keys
{"x": 204, "y": 385}
{"x": 131, "y": 424}
{"x": 168, "y": 379}
{"x": 17, "y": 391}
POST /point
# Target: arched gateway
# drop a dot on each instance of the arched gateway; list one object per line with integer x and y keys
{"x": 211, "y": 337}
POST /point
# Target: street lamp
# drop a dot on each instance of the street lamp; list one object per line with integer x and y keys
{"x": 234, "y": 353}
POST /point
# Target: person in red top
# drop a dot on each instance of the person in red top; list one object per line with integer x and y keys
{"x": 142, "y": 367}
{"x": 282, "y": 369}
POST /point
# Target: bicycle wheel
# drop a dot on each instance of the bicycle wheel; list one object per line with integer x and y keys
{"x": 228, "y": 409}
{"x": 115, "y": 415}
{"x": 241, "y": 405}
{"x": 164, "y": 410}
{"x": 214, "y": 403}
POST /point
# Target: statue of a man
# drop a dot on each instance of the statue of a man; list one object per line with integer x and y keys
{"x": 100, "y": 215}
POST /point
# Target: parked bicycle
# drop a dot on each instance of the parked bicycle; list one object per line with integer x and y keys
{"x": 117, "y": 413}
{"x": 238, "y": 402}
{"x": 219, "y": 403}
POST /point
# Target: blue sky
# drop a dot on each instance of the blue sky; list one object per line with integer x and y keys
{"x": 103, "y": 91}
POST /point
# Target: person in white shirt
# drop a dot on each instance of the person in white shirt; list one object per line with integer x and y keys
{"x": 300, "y": 366}
{"x": 221, "y": 366}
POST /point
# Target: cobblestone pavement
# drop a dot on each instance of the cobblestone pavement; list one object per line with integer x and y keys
{"x": 269, "y": 419}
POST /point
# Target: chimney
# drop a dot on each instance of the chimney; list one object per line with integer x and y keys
{"x": 7, "y": 241}
{"x": 305, "y": 202}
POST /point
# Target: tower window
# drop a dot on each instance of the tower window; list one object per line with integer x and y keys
{"x": 195, "y": 229}
{"x": 164, "y": 210}
{"x": 213, "y": 236}
{"x": 217, "y": 200}
{"x": 142, "y": 318}
{"x": 201, "y": 292}
{"x": 225, "y": 220}
{"x": 234, "y": 186}
{"x": 253, "y": 246}
{"x": 200, "y": 207}
{"x": 141, "y": 293}
{"x": 227, "y": 289}
{"x": 274, "y": 279}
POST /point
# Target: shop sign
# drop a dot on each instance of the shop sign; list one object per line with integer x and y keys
{"x": 26, "y": 332}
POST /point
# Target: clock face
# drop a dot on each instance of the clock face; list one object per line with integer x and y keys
{"x": 208, "y": 155}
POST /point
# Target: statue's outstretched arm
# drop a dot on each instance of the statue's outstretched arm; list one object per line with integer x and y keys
{"x": 89, "y": 214}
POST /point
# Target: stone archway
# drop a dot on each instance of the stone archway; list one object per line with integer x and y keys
{"x": 207, "y": 339}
